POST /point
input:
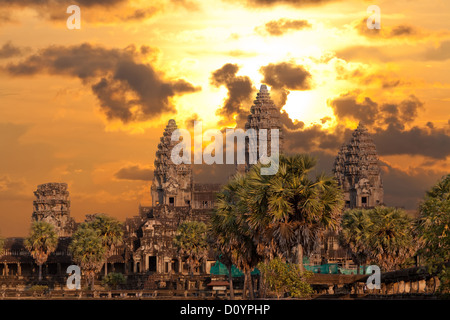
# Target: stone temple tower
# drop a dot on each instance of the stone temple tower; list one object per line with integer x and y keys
{"x": 172, "y": 184}
{"x": 263, "y": 115}
{"x": 52, "y": 205}
{"x": 357, "y": 170}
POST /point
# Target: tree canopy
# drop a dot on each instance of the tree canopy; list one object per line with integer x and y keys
{"x": 190, "y": 241}
{"x": 87, "y": 250}
{"x": 434, "y": 228}
{"x": 382, "y": 235}
{"x": 42, "y": 241}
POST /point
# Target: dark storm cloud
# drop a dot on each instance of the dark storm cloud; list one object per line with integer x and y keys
{"x": 441, "y": 53}
{"x": 286, "y": 75}
{"x": 293, "y": 3}
{"x": 240, "y": 93}
{"x": 120, "y": 83}
{"x": 189, "y": 122}
{"x": 8, "y": 50}
{"x": 190, "y": 5}
{"x": 403, "y": 30}
{"x": 434, "y": 143}
{"x": 387, "y": 122}
{"x": 282, "y": 26}
{"x": 289, "y": 124}
{"x": 34, "y": 3}
{"x": 346, "y": 106}
{"x": 218, "y": 173}
{"x": 383, "y": 79}
{"x": 316, "y": 138}
{"x": 140, "y": 14}
{"x": 368, "y": 111}
{"x": 55, "y": 10}
{"x": 364, "y": 53}
{"x": 407, "y": 189}
{"x": 387, "y": 32}
{"x": 134, "y": 173}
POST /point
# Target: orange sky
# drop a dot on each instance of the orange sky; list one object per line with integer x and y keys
{"x": 87, "y": 107}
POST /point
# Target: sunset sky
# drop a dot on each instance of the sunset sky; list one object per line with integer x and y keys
{"x": 87, "y": 107}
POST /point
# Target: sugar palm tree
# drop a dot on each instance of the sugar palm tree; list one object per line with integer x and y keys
{"x": 354, "y": 235}
{"x": 433, "y": 228}
{"x": 87, "y": 250}
{"x": 190, "y": 241}
{"x": 289, "y": 211}
{"x": 234, "y": 235}
{"x": 110, "y": 231}
{"x": 41, "y": 242}
{"x": 224, "y": 228}
{"x": 2, "y": 243}
{"x": 391, "y": 237}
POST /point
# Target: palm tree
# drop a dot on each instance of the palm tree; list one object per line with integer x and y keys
{"x": 234, "y": 237}
{"x": 289, "y": 211}
{"x": 354, "y": 235}
{"x": 391, "y": 237}
{"x": 41, "y": 242}
{"x": 223, "y": 242}
{"x": 110, "y": 231}
{"x": 433, "y": 228}
{"x": 190, "y": 240}
{"x": 2, "y": 243}
{"x": 87, "y": 250}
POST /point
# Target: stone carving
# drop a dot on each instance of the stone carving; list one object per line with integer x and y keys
{"x": 172, "y": 184}
{"x": 357, "y": 171}
{"x": 263, "y": 115}
{"x": 52, "y": 205}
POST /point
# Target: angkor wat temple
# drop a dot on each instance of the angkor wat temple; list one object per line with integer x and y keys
{"x": 176, "y": 197}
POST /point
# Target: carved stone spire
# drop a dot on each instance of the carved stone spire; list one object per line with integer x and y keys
{"x": 172, "y": 184}
{"x": 52, "y": 205}
{"x": 263, "y": 115}
{"x": 357, "y": 170}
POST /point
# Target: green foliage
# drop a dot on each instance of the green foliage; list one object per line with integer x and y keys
{"x": 87, "y": 249}
{"x": 110, "y": 231}
{"x": 281, "y": 278}
{"x": 391, "y": 237}
{"x": 38, "y": 289}
{"x": 288, "y": 211}
{"x": 113, "y": 280}
{"x": 284, "y": 214}
{"x": 233, "y": 237}
{"x": 354, "y": 234}
{"x": 383, "y": 236}
{"x": 42, "y": 241}
{"x": 190, "y": 241}
{"x": 434, "y": 228}
{"x": 2, "y": 244}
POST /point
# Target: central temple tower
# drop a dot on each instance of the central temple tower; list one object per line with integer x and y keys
{"x": 264, "y": 114}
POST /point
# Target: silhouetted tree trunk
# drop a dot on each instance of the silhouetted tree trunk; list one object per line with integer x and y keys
{"x": 40, "y": 272}
{"x": 230, "y": 279}
{"x": 300, "y": 258}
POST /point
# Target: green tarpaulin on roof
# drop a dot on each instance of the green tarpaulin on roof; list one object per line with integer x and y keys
{"x": 329, "y": 268}
{"x": 220, "y": 269}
